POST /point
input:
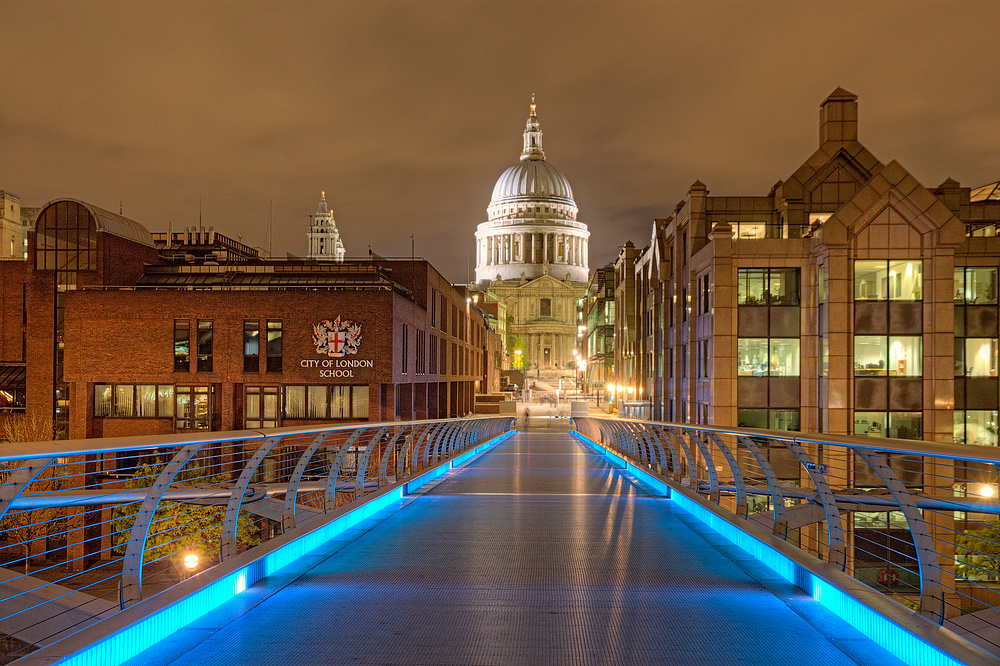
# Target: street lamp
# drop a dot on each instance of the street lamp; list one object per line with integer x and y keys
{"x": 189, "y": 563}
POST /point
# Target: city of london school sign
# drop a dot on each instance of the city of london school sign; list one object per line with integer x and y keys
{"x": 339, "y": 339}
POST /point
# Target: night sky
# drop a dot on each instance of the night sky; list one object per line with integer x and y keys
{"x": 407, "y": 113}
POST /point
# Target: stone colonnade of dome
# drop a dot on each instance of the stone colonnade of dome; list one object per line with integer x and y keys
{"x": 509, "y": 253}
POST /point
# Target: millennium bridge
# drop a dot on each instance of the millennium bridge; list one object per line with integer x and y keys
{"x": 498, "y": 540}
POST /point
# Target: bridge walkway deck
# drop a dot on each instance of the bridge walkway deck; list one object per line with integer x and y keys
{"x": 535, "y": 553}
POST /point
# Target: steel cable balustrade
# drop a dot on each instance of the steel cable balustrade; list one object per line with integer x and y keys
{"x": 918, "y": 522}
{"x": 91, "y": 527}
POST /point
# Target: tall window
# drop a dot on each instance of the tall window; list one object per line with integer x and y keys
{"x": 204, "y": 346}
{"x": 66, "y": 239}
{"x": 182, "y": 345}
{"x": 261, "y": 407}
{"x": 433, "y": 355}
{"x": 193, "y": 410}
{"x": 406, "y": 349}
{"x": 274, "y": 346}
{"x": 421, "y": 352}
{"x": 251, "y": 345}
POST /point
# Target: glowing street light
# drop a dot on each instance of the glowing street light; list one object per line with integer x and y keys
{"x": 191, "y": 561}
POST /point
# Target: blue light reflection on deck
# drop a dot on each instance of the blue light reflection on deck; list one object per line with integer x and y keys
{"x": 143, "y": 634}
{"x": 880, "y": 629}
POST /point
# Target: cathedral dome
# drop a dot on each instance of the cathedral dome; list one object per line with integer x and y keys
{"x": 532, "y": 228}
{"x": 532, "y": 179}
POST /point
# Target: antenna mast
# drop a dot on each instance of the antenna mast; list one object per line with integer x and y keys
{"x": 268, "y": 233}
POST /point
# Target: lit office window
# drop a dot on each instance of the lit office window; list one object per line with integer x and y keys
{"x": 896, "y": 280}
{"x": 895, "y": 425}
{"x": 977, "y": 427}
{"x": 871, "y": 355}
{"x": 976, "y": 285}
{"x": 784, "y": 357}
{"x": 870, "y": 424}
{"x": 760, "y": 357}
{"x": 906, "y": 280}
{"x": 981, "y": 357}
{"x": 752, "y": 356}
{"x": 871, "y": 280}
{"x": 768, "y": 286}
{"x": 906, "y": 355}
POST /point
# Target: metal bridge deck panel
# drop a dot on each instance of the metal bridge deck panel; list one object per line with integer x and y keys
{"x": 536, "y": 553}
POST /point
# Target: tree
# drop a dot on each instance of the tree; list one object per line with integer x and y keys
{"x": 518, "y": 352}
{"x": 23, "y": 528}
{"x": 179, "y": 528}
{"x": 979, "y": 551}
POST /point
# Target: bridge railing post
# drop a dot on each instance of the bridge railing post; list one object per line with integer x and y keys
{"x": 130, "y": 590}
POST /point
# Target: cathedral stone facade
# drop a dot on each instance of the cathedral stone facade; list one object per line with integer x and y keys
{"x": 532, "y": 254}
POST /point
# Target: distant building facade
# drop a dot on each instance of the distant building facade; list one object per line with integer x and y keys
{"x": 849, "y": 299}
{"x": 13, "y": 226}
{"x": 599, "y": 332}
{"x": 532, "y": 253}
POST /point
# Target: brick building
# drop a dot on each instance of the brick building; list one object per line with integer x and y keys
{"x": 117, "y": 331}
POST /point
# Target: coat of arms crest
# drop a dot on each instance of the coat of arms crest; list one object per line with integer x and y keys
{"x": 337, "y": 338}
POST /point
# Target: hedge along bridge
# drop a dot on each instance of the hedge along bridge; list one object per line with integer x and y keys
{"x": 609, "y": 544}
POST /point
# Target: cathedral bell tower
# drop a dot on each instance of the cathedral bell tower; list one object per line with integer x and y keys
{"x": 324, "y": 238}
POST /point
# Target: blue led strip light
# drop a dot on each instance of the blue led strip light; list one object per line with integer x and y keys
{"x": 143, "y": 632}
{"x": 897, "y": 639}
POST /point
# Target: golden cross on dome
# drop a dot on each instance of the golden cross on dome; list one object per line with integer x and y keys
{"x": 532, "y": 103}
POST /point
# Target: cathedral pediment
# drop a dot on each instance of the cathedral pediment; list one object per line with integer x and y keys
{"x": 548, "y": 282}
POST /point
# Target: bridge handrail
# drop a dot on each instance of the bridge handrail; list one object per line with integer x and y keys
{"x": 900, "y": 516}
{"x": 91, "y": 527}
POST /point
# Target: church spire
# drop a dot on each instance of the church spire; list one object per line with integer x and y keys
{"x": 532, "y": 136}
